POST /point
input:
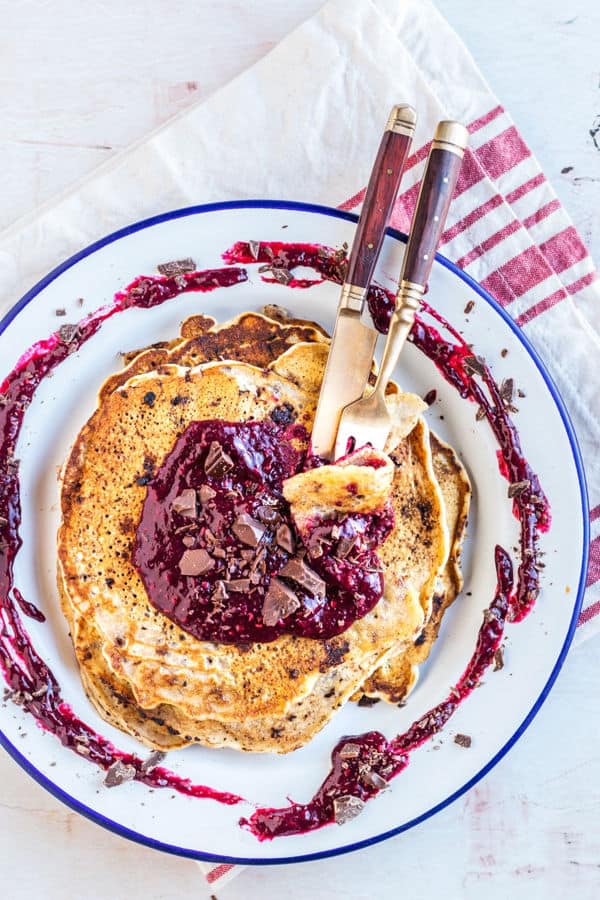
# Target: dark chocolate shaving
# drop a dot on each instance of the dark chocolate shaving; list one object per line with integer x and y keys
{"x": 153, "y": 761}
{"x": 118, "y": 774}
{"x": 177, "y": 267}
{"x": 469, "y": 307}
{"x": 195, "y": 562}
{"x": 350, "y": 751}
{"x": 297, "y": 570}
{"x": 241, "y": 585}
{"x": 347, "y": 808}
{"x": 268, "y": 515}
{"x": 463, "y": 740}
{"x": 254, "y": 248}
{"x": 186, "y": 504}
{"x": 474, "y": 364}
{"x": 68, "y": 333}
{"x": 206, "y": 494}
{"x": 280, "y": 602}
{"x": 285, "y": 538}
{"x": 248, "y": 530}
{"x": 373, "y": 779}
{"x": 498, "y": 659}
{"x": 217, "y": 462}
{"x": 517, "y": 487}
{"x": 344, "y": 546}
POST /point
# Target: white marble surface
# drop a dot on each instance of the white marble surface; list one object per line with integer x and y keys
{"x": 80, "y": 81}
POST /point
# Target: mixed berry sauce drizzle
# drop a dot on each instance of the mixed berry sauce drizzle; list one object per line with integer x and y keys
{"x": 363, "y": 764}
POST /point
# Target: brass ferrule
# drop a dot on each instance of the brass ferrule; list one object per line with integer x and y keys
{"x": 450, "y": 136}
{"x": 352, "y": 297}
{"x": 408, "y": 300}
{"x": 402, "y": 120}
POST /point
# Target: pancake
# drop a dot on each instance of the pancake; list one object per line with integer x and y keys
{"x": 215, "y": 694}
{"x": 155, "y": 710}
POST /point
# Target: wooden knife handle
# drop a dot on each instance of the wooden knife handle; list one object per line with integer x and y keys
{"x": 381, "y": 194}
{"x": 438, "y": 185}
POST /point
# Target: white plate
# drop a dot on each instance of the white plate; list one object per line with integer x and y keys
{"x": 495, "y": 716}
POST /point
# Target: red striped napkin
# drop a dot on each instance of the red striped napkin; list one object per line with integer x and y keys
{"x": 310, "y": 114}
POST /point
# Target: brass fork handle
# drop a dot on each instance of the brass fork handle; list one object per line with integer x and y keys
{"x": 428, "y": 223}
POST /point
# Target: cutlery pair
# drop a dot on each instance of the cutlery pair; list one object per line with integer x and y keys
{"x": 350, "y": 414}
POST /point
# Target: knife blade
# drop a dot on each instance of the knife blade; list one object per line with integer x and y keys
{"x": 353, "y": 342}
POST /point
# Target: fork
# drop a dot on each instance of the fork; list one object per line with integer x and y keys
{"x": 367, "y": 420}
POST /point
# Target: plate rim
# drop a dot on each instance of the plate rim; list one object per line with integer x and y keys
{"x": 319, "y": 209}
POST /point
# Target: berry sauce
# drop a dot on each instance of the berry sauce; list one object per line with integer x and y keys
{"x": 261, "y": 457}
{"x": 360, "y": 765}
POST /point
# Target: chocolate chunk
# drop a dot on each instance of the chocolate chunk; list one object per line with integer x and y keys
{"x": 368, "y": 701}
{"x": 373, "y": 779}
{"x": 347, "y": 808}
{"x": 60, "y": 312}
{"x": 220, "y": 593}
{"x": 254, "y": 248}
{"x": 302, "y": 574}
{"x": 469, "y": 307}
{"x": 217, "y": 462}
{"x": 498, "y": 659}
{"x": 219, "y": 553}
{"x": 285, "y": 538}
{"x": 279, "y": 603}
{"x": 149, "y": 398}
{"x": 153, "y": 761}
{"x": 186, "y": 504}
{"x": 68, "y": 333}
{"x": 206, "y": 494}
{"x": 281, "y": 274}
{"x": 344, "y": 546}
{"x": 463, "y": 740}
{"x": 177, "y": 267}
{"x": 188, "y": 540}
{"x": 480, "y": 414}
{"x": 284, "y": 414}
{"x": 248, "y": 530}
{"x": 507, "y": 390}
{"x": 241, "y": 585}
{"x": 474, "y": 364}
{"x": 517, "y": 487}
{"x": 350, "y": 751}
{"x": 195, "y": 562}
{"x": 504, "y": 352}
{"x": 268, "y": 515}
{"x": 119, "y": 773}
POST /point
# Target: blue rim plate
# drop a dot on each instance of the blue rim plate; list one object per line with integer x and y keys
{"x": 131, "y": 834}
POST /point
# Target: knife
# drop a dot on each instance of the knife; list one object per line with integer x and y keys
{"x": 353, "y": 343}
{"x": 367, "y": 421}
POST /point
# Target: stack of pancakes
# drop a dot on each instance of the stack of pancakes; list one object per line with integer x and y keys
{"x": 157, "y": 682}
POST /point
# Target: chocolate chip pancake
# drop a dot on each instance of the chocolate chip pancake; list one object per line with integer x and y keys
{"x": 145, "y": 673}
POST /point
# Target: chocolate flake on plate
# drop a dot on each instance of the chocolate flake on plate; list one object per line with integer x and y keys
{"x": 267, "y": 514}
{"x": 347, "y": 808}
{"x": 344, "y": 546}
{"x": 507, "y": 393}
{"x": 480, "y": 414}
{"x": 60, "y": 312}
{"x": 469, "y": 307}
{"x": 118, "y": 774}
{"x": 285, "y": 538}
{"x": 517, "y": 487}
{"x": 254, "y": 248}
{"x": 463, "y": 740}
{"x": 195, "y": 562}
{"x": 373, "y": 779}
{"x": 498, "y": 659}
{"x": 302, "y": 574}
{"x": 185, "y": 504}
{"x": 280, "y": 602}
{"x": 281, "y": 274}
{"x": 217, "y": 462}
{"x": 153, "y": 760}
{"x": 248, "y": 530}
{"x": 68, "y": 333}
{"x": 220, "y": 593}
{"x": 350, "y": 751}
{"x": 241, "y": 585}
{"x": 474, "y": 364}
{"x": 177, "y": 267}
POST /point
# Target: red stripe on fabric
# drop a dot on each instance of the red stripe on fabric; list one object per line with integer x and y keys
{"x": 589, "y": 613}
{"x": 499, "y": 288}
{"x": 354, "y": 201}
{"x": 486, "y": 119}
{"x": 218, "y": 872}
{"x": 473, "y": 217}
{"x": 593, "y": 572}
{"x": 542, "y": 306}
{"x": 522, "y": 272}
{"x": 554, "y": 298}
{"x": 564, "y": 249}
{"x": 503, "y": 152}
{"x": 490, "y": 242}
{"x": 595, "y": 513}
{"x": 471, "y": 172}
{"x": 542, "y": 213}
{"x": 525, "y": 188}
